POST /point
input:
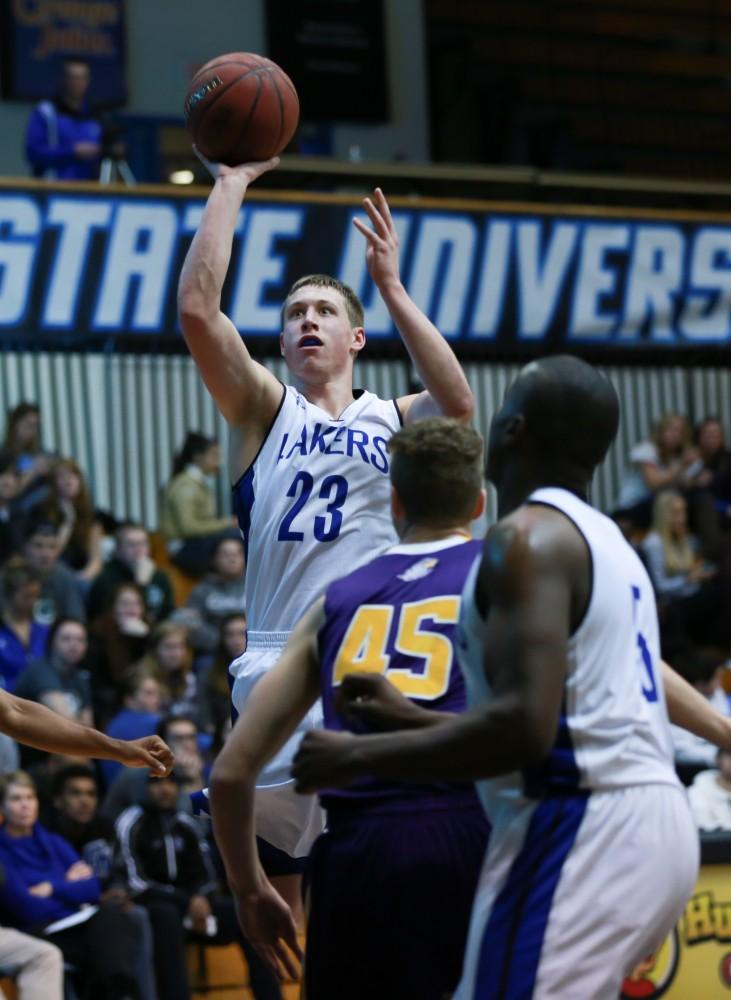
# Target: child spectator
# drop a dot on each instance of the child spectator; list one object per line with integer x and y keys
{"x": 69, "y": 508}
{"x": 219, "y": 595}
{"x": 48, "y": 888}
{"x": 188, "y": 519}
{"x": 139, "y": 716}
{"x": 131, "y": 563}
{"x": 22, "y": 637}
{"x": 170, "y": 659}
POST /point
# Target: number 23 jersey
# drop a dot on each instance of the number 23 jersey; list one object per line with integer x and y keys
{"x": 314, "y": 504}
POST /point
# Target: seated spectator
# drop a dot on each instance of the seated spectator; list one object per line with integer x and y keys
{"x": 219, "y": 595}
{"x": 60, "y": 680}
{"x": 170, "y": 872}
{"x": 22, "y": 637}
{"x": 119, "y": 641}
{"x": 169, "y": 658}
{"x": 690, "y": 599}
{"x": 64, "y": 139}
{"x": 69, "y": 508}
{"x": 60, "y": 592}
{"x": 668, "y": 461}
{"x": 703, "y": 669}
{"x": 36, "y": 966}
{"x": 139, "y": 716}
{"x": 716, "y": 458}
{"x": 710, "y": 795}
{"x": 76, "y": 818}
{"x": 130, "y": 786}
{"x": 11, "y": 517}
{"x": 188, "y": 519}
{"x": 131, "y": 563}
{"x": 49, "y": 889}
{"x": 32, "y": 463}
{"x": 215, "y": 683}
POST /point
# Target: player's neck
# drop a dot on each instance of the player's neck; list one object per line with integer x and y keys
{"x": 517, "y": 485}
{"x": 332, "y": 397}
{"x": 415, "y": 534}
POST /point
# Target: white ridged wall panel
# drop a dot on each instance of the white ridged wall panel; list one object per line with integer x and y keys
{"x": 123, "y": 416}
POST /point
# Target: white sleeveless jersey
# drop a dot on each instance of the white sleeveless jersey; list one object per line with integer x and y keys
{"x": 614, "y": 730}
{"x": 314, "y": 504}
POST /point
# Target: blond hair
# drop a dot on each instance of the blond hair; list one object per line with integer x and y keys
{"x": 21, "y": 778}
{"x": 678, "y": 552}
{"x": 353, "y": 305}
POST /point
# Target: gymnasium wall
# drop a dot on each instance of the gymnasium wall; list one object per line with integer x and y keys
{"x": 122, "y": 416}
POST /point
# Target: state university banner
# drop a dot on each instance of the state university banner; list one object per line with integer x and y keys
{"x": 85, "y": 266}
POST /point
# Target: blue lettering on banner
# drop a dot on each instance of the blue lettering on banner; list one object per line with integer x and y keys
{"x": 86, "y": 267}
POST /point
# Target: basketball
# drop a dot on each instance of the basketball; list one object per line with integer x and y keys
{"x": 241, "y": 107}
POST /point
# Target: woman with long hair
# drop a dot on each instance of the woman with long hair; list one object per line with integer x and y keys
{"x": 188, "y": 520}
{"x": 169, "y": 659}
{"x": 69, "y": 507}
{"x": 23, "y": 442}
{"x": 119, "y": 640}
{"x": 689, "y": 595}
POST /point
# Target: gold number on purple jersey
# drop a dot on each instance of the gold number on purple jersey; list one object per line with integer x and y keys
{"x": 365, "y": 646}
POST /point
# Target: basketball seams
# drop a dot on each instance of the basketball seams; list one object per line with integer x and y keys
{"x": 247, "y": 122}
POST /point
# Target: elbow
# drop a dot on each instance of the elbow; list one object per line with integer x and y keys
{"x": 462, "y": 406}
{"x": 229, "y": 776}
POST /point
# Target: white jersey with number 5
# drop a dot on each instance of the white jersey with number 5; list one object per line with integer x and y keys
{"x": 314, "y": 504}
{"x": 614, "y": 729}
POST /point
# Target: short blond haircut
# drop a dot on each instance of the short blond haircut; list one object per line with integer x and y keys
{"x": 353, "y": 305}
{"x": 21, "y": 778}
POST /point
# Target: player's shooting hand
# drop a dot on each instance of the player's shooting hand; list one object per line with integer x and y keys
{"x": 370, "y": 701}
{"x": 324, "y": 760}
{"x": 382, "y": 242}
{"x": 150, "y": 751}
{"x": 267, "y": 922}
{"x": 245, "y": 172}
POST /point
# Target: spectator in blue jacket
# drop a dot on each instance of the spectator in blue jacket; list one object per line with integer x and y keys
{"x": 63, "y": 139}
{"x": 50, "y": 891}
{"x": 22, "y": 638}
{"x": 142, "y": 699}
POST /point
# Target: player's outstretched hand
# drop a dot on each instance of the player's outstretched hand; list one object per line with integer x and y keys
{"x": 267, "y": 922}
{"x": 382, "y": 253}
{"x": 370, "y": 701}
{"x": 246, "y": 172}
{"x": 324, "y": 760}
{"x": 150, "y": 751}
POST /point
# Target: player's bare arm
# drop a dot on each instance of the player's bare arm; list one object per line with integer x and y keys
{"x": 447, "y": 390}
{"x": 244, "y": 391}
{"x": 278, "y": 702}
{"x": 527, "y": 579}
{"x": 688, "y": 709}
{"x": 39, "y": 727}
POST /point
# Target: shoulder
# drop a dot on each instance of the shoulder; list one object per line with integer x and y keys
{"x": 127, "y": 819}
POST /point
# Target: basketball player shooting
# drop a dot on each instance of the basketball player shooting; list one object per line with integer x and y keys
{"x": 308, "y": 461}
{"x": 568, "y": 734}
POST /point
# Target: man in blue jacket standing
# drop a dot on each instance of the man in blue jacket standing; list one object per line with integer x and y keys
{"x": 63, "y": 140}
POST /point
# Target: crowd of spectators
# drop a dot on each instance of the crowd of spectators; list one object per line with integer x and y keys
{"x": 87, "y": 878}
{"x": 674, "y": 506}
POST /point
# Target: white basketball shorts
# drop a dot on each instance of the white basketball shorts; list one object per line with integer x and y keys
{"x": 576, "y": 891}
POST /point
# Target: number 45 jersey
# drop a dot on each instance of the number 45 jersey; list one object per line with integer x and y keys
{"x": 397, "y": 616}
{"x": 314, "y": 504}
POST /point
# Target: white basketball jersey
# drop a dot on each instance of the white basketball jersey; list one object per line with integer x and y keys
{"x": 614, "y": 730}
{"x": 314, "y": 504}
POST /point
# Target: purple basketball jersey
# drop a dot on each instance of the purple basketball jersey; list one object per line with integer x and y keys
{"x": 398, "y": 616}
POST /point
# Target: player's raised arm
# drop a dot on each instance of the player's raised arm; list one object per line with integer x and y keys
{"x": 39, "y": 727}
{"x": 447, "y": 390}
{"x": 277, "y": 703}
{"x": 245, "y": 392}
{"x": 526, "y": 581}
